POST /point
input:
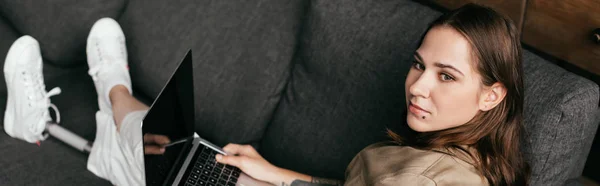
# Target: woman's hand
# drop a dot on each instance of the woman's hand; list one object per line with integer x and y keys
{"x": 253, "y": 164}
{"x": 154, "y": 143}
{"x": 250, "y": 162}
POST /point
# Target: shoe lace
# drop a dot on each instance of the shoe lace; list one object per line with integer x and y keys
{"x": 38, "y": 98}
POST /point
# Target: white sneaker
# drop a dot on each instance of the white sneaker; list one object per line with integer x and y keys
{"x": 107, "y": 59}
{"x": 27, "y": 104}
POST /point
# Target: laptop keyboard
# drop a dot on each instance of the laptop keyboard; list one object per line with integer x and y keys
{"x": 207, "y": 171}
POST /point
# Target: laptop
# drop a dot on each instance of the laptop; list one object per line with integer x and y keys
{"x": 193, "y": 161}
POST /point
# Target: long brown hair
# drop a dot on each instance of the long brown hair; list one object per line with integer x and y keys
{"x": 494, "y": 134}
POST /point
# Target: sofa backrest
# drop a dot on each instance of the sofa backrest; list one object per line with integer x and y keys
{"x": 242, "y": 52}
{"x": 347, "y": 83}
{"x": 561, "y": 119}
{"x": 61, "y": 26}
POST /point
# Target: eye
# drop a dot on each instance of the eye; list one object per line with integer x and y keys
{"x": 446, "y": 77}
{"x": 418, "y": 65}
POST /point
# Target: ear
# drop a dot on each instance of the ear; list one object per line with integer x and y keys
{"x": 492, "y": 96}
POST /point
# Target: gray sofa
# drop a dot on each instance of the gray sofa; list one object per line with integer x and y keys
{"x": 308, "y": 82}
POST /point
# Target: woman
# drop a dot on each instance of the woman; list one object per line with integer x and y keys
{"x": 464, "y": 96}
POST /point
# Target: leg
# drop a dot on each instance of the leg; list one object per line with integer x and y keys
{"x": 116, "y": 155}
{"x": 118, "y": 151}
{"x": 123, "y": 103}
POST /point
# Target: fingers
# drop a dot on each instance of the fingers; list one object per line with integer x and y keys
{"x": 153, "y": 149}
{"x": 238, "y": 154}
{"x": 245, "y": 150}
{"x": 156, "y": 139}
{"x": 236, "y": 161}
{"x": 154, "y": 143}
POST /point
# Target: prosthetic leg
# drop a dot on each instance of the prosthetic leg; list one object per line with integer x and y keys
{"x": 68, "y": 137}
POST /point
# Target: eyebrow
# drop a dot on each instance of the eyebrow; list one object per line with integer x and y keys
{"x": 440, "y": 65}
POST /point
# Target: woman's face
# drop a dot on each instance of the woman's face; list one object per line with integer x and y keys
{"x": 442, "y": 88}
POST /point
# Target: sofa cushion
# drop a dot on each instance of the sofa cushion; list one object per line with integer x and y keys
{"x": 78, "y": 101}
{"x": 241, "y": 50}
{"x": 60, "y": 26}
{"x": 560, "y": 113}
{"x": 53, "y": 163}
{"x": 347, "y": 83}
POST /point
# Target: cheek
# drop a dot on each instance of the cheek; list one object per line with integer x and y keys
{"x": 455, "y": 106}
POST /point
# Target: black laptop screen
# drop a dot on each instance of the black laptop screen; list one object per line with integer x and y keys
{"x": 171, "y": 114}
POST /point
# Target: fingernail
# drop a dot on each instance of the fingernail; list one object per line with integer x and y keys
{"x": 162, "y": 149}
{"x": 219, "y": 157}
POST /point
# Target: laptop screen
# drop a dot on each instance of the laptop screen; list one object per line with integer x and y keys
{"x": 172, "y": 115}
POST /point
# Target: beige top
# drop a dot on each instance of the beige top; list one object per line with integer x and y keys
{"x": 388, "y": 164}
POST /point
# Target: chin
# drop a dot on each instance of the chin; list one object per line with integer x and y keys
{"x": 417, "y": 124}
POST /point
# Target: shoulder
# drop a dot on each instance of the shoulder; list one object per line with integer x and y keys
{"x": 403, "y": 164}
{"x": 401, "y": 156}
{"x": 385, "y": 164}
{"x": 405, "y": 179}
{"x": 389, "y": 163}
{"x": 453, "y": 168}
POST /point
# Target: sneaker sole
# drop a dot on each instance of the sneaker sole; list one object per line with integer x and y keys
{"x": 9, "y": 112}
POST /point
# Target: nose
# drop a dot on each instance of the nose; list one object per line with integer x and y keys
{"x": 421, "y": 86}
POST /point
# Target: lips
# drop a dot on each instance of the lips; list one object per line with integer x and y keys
{"x": 415, "y": 109}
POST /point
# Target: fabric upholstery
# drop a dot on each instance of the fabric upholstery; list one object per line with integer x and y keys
{"x": 53, "y": 163}
{"x": 60, "y": 26}
{"x": 8, "y": 35}
{"x": 560, "y": 113}
{"x": 347, "y": 83}
{"x": 241, "y": 53}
